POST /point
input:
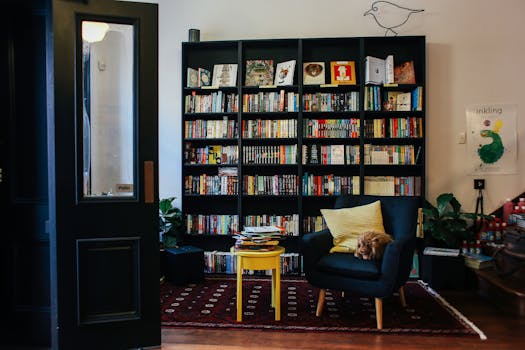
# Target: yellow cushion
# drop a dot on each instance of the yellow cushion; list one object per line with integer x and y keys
{"x": 347, "y": 224}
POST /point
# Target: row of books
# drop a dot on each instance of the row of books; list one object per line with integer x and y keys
{"x": 262, "y": 72}
{"x": 330, "y": 154}
{"x": 197, "y": 224}
{"x": 277, "y": 185}
{"x": 210, "y": 129}
{"x": 225, "y": 262}
{"x": 328, "y": 185}
{"x": 270, "y": 102}
{"x": 391, "y": 154}
{"x": 331, "y": 128}
{"x": 392, "y": 185}
{"x": 314, "y": 224}
{"x": 408, "y": 127}
{"x": 376, "y": 100}
{"x": 211, "y": 184}
{"x": 279, "y": 154}
{"x": 211, "y": 154}
{"x": 331, "y": 102}
{"x": 265, "y": 128}
{"x": 215, "y": 102}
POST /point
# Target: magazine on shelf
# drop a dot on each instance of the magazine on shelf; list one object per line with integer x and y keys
{"x": 441, "y": 251}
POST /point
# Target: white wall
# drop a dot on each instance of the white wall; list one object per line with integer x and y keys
{"x": 475, "y": 55}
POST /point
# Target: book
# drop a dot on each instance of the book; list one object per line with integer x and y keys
{"x": 403, "y": 101}
{"x": 379, "y": 71}
{"x": 478, "y": 261}
{"x": 440, "y": 251}
{"x": 284, "y": 73}
{"x": 204, "y": 77}
{"x": 390, "y": 101}
{"x": 313, "y": 73}
{"x": 192, "y": 77}
{"x": 404, "y": 73}
{"x": 374, "y": 70}
{"x": 259, "y": 72}
{"x": 343, "y": 72}
{"x": 224, "y": 75}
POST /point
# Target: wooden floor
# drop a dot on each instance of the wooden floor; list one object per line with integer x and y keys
{"x": 503, "y": 331}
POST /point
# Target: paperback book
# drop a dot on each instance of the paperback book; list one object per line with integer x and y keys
{"x": 204, "y": 77}
{"x": 192, "y": 77}
{"x": 478, "y": 261}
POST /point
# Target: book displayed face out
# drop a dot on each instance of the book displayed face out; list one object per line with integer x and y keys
{"x": 343, "y": 72}
{"x": 259, "y": 73}
{"x": 313, "y": 73}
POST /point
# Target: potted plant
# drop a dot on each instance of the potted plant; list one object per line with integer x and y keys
{"x": 171, "y": 225}
{"x": 447, "y": 226}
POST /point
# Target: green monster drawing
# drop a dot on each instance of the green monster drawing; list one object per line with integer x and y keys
{"x": 491, "y": 152}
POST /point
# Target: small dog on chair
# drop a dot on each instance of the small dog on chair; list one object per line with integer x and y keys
{"x": 371, "y": 245}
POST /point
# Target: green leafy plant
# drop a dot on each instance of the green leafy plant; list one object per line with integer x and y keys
{"x": 170, "y": 222}
{"x": 447, "y": 224}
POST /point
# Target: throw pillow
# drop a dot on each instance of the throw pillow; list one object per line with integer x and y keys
{"x": 347, "y": 224}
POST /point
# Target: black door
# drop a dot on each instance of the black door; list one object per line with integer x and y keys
{"x": 103, "y": 175}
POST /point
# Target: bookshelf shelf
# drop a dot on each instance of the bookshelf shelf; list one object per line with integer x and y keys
{"x": 324, "y": 118}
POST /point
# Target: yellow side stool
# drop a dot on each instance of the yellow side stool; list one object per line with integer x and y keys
{"x": 260, "y": 260}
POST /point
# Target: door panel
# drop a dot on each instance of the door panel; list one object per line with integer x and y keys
{"x": 105, "y": 288}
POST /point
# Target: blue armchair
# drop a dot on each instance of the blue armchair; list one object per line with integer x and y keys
{"x": 344, "y": 272}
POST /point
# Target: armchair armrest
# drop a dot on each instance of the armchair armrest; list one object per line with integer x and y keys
{"x": 314, "y": 246}
{"x": 397, "y": 260}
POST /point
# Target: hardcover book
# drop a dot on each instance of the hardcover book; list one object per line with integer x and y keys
{"x": 379, "y": 71}
{"x": 204, "y": 77}
{"x": 404, "y": 73}
{"x": 284, "y": 73}
{"x": 343, "y": 72}
{"x": 192, "y": 77}
{"x": 259, "y": 72}
{"x": 313, "y": 73}
{"x": 224, "y": 75}
{"x": 374, "y": 70}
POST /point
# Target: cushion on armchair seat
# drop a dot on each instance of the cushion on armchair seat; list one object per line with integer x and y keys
{"x": 346, "y": 265}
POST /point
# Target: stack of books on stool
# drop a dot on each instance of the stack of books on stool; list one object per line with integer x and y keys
{"x": 259, "y": 238}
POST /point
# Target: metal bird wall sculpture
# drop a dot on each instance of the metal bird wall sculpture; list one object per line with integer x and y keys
{"x": 389, "y": 15}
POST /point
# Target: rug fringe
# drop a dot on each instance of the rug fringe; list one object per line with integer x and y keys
{"x": 452, "y": 309}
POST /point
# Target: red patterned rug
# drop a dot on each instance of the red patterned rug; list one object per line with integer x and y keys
{"x": 211, "y": 304}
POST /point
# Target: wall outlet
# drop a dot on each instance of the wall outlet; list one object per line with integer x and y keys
{"x": 479, "y": 184}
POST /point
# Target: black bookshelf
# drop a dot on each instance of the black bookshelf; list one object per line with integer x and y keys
{"x": 207, "y": 54}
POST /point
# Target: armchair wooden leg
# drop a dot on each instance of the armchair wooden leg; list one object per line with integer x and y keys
{"x": 402, "y": 296}
{"x": 320, "y": 302}
{"x": 379, "y": 313}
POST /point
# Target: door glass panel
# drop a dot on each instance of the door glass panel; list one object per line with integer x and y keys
{"x": 108, "y": 109}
